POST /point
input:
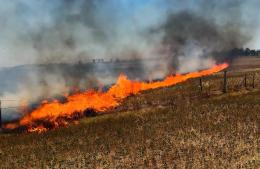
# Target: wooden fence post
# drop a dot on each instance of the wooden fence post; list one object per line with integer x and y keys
{"x": 225, "y": 82}
{"x": 201, "y": 86}
{"x": 253, "y": 81}
{"x": 245, "y": 81}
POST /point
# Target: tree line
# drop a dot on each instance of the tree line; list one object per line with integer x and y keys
{"x": 244, "y": 52}
{"x": 229, "y": 55}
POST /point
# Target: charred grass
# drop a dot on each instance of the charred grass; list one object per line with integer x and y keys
{"x": 175, "y": 127}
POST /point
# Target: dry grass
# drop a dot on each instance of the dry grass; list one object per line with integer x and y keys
{"x": 246, "y": 62}
{"x": 176, "y": 127}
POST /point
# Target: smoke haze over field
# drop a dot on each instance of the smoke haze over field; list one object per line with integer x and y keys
{"x": 68, "y": 30}
{"x": 175, "y": 35}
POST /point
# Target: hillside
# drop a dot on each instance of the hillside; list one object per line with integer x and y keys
{"x": 26, "y": 74}
{"x": 175, "y": 127}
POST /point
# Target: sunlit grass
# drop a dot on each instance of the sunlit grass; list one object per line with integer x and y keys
{"x": 175, "y": 127}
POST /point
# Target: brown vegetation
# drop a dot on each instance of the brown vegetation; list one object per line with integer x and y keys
{"x": 176, "y": 127}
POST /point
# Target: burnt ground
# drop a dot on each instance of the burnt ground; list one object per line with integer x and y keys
{"x": 175, "y": 127}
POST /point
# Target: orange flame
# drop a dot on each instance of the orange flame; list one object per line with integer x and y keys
{"x": 97, "y": 100}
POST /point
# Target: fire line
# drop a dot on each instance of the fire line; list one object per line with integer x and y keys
{"x": 54, "y": 111}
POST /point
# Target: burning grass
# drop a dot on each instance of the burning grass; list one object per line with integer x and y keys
{"x": 54, "y": 114}
{"x": 173, "y": 127}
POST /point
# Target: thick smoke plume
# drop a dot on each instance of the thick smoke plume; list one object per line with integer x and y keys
{"x": 189, "y": 36}
{"x": 157, "y": 37}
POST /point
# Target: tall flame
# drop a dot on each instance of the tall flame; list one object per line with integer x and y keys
{"x": 98, "y": 100}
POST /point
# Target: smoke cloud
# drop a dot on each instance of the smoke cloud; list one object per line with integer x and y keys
{"x": 66, "y": 31}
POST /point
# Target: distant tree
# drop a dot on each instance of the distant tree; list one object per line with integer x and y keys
{"x": 258, "y": 52}
{"x": 252, "y": 53}
{"x": 236, "y": 52}
{"x": 247, "y": 52}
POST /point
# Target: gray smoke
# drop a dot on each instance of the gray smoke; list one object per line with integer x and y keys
{"x": 193, "y": 36}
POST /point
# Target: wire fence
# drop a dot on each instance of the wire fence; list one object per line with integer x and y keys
{"x": 235, "y": 81}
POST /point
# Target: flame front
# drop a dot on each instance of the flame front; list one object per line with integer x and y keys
{"x": 96, "y": 100}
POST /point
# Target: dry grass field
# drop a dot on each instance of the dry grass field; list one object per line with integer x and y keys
{"x": 249, "y": 62}
{"x": 175, "y": 127}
